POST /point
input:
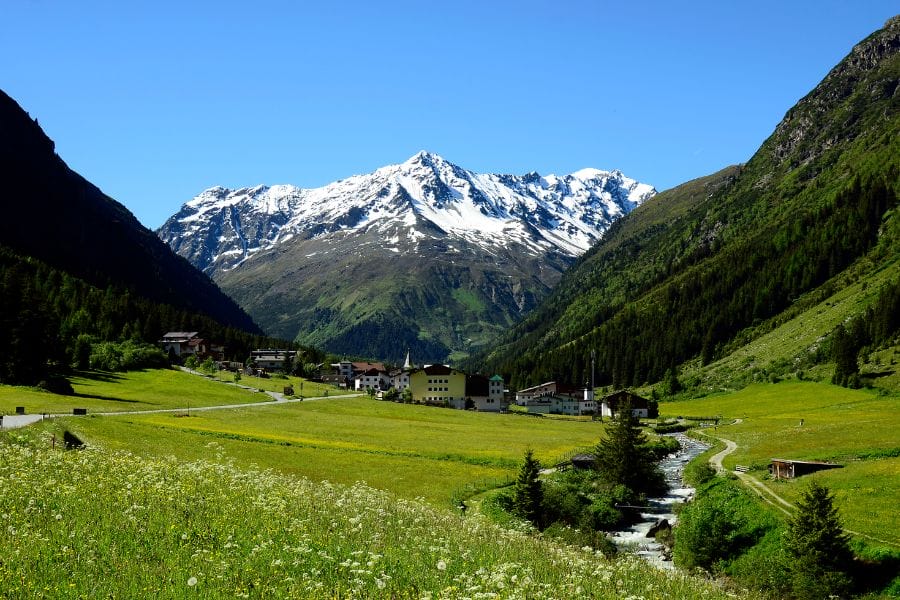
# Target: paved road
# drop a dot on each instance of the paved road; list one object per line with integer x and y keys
{"x": 15, "y": 421}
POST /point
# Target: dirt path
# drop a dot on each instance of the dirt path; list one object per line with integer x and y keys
{"x": 751, "y": 482}
{"x": 762, "y": 490}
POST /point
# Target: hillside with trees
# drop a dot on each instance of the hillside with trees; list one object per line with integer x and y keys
{"x": 716, "y": 262}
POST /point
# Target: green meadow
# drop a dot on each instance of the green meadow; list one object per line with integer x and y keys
{"x": 859, "y": 429}
{"x": 413, "y": 451}
{"x": 156, "y": 389}
{"x": 100, "y": 523}
{"x": 277, "y": 384}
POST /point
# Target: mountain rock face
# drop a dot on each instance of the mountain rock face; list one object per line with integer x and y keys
{"x": 88, "y": 234}
{"x": 423, "y": 255}
{"x": 720, "y": 261}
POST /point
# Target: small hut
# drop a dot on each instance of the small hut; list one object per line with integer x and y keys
{"x": 781, "y": 468}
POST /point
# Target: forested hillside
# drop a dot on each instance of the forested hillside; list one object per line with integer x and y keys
{"x": 685, "y": 273}
{"x": 49, "y": 321}
{"x": 77, "y": 268}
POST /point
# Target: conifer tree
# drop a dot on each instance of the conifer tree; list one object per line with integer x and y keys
{"x": 621, "y": 458}
{"x": 819, "y": 549}
{"x": 529, "y": 494}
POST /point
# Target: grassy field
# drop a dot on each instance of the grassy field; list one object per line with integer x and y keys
{"x": 855, "y": 428}
{"x": 413, "y": 451}
{"x": 89, "y": 524}
{"x": 277, "y": 384}
{"x": 135, "y": 390}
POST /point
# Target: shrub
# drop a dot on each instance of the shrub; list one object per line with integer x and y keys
{"x": 126, "y": 356}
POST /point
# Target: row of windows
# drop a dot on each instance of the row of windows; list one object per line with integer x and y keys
{"x": 438, "y": 381}
{"x": 439, "y": 389}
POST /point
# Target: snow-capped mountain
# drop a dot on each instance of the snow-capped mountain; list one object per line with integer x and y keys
{"x": 425, "y": 197}
{"x": 422, "y": 255}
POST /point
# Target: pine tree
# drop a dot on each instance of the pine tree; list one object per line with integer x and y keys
{"x": 844, "y": 351}
{"x": 623, "y": 461}
{"x": 529, "y": 494}
{"x": 819, "y": 549}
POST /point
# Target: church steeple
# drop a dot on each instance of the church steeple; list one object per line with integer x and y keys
{"x": 406, "y": 365}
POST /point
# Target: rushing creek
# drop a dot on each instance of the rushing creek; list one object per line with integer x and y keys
{"x": 634, "y": 539}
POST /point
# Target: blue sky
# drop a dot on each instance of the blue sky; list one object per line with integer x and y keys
{"x": 156, "y": 101}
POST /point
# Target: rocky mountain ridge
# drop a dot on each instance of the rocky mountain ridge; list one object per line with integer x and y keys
{"x": 441, "y": 256}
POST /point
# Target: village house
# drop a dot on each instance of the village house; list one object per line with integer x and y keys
{"x": 189, "y": 343}
{"x": 544, "y": 390}
{"x": 440, "y": 385}
{"x": 554, "y": 398}
{"x": 399, "y": 379}
{"x": 641, "y": 408}
{"x": 271, "y": 359}
{"x": 484, "y": 394}
{"x": 371, "y": 378}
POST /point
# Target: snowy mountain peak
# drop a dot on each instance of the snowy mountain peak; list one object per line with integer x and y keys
{"x": 424, "y": 198}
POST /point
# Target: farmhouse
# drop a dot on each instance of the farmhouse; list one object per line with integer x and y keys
{"x": 187, "y": 343}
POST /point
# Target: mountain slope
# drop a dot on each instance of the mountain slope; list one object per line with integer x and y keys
{"x": 53, "y": 214}
{"x": 669, "y": 283}
{"x": 423, "y": 255}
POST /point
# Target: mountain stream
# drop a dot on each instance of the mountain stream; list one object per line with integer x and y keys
{"x": 634, "y": 538}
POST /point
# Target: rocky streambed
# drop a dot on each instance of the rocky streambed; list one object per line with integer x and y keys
{"x": 639, "y": 537}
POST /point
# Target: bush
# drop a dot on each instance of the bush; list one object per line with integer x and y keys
{"x": 126, "y": 356}
{"x": 719, "y": 525}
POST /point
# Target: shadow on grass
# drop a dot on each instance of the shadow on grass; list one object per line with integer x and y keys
{"x": 104, "y": 376}
{"x": 109, "y": 398}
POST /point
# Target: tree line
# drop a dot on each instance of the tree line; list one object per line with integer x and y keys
{"x": 699, "y": 310}
{"x": 51, "y": 321}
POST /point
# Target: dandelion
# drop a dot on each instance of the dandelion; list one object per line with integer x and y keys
{"x": 192, "y": 581}
{"x": 441, "y": 565}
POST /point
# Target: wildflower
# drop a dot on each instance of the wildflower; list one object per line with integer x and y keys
{"x": 192, "y": 582}
{"x": 441, "y": 565}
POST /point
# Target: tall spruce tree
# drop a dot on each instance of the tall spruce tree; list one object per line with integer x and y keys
{"x": 529, "y": 494}
{"x": 622, "y": 459}
{"x": 845, "y": 349}
{"x": 819, "y": 549}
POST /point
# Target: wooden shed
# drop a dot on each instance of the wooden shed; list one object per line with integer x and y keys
{"x": 781, "y": 468}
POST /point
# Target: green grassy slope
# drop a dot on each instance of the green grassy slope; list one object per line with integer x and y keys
{"x": 854, "y": 428}
{"x": 156, "y": 389}
{"x": 412, "y": 451}
{"x": 109, "y": 524}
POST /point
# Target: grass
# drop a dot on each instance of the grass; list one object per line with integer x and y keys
{"x": 111, "y": 524}
{"x": 855, "y": 428}
{"x": 413, "y": 451}
{"x": 277, "y": 384}
{"x": 136, "y": 390}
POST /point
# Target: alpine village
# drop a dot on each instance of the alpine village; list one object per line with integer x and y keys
{"x": 428, "y": 382}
